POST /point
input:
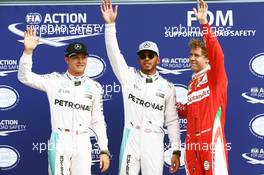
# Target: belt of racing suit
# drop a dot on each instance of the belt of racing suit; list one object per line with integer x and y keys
{"x": 202, "y": 132}
{"x": 77, "y": 132}
{"x": 152, "y": 128}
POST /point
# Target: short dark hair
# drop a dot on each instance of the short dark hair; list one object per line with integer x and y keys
{"x": 197, "y": 43}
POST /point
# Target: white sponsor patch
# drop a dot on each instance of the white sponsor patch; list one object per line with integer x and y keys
{"x": 198, "y": 95}
{"x": 206, "y": 165}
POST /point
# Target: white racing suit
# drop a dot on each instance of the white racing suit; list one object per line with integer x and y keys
{"x": 75, "y": 108}
{"x": 149, "y": 104}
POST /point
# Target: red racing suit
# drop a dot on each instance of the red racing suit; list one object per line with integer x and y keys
{"x": 206, "y": 152}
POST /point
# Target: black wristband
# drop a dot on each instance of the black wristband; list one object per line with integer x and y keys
{"x": 177, "y": 152}
{"x": 105, "y": 152}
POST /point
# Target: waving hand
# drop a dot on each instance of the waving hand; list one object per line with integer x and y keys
{"x": 30, "y": 40}
{"x": 201, "y": 11}
{"x": 109, "y": 14}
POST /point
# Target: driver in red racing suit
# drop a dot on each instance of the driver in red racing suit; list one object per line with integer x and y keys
{"x": 206, "y": 152}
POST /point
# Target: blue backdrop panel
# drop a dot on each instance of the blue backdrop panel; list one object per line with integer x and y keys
{"x": 24, "y": 112}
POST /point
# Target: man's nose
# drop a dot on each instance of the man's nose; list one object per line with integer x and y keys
{"x": 80, "y": 59}
{"x": 147, "y": 58}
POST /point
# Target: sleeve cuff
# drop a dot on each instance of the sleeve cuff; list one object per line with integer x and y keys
{"x": 109, "y": 26}
{"x": 175, "y": 146}
{"x": 205, "y": 26}
{"x": 103, "y": 147}
{"x": 26, "y": 58}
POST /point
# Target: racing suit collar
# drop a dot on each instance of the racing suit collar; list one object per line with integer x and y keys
{"x": 149, "y": 78}
{"x": 198, "y": 74}
{"x": 74, "y": 78}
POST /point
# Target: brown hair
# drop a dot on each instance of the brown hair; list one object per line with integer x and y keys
{"x": 197, "y": 43}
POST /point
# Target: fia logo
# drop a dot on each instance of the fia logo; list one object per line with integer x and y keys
{"x": 33, "y": 18}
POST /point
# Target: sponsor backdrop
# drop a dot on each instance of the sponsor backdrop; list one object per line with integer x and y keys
{"x": 25, "y": 119}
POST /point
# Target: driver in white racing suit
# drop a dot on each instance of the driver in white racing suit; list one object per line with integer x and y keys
{"x": 149, "y": 104}
{"x": 75, "y": 108}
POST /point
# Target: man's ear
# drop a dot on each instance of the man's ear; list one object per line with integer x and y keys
{"x": 158, "y": 60}
{"x": 66, "y": 59}
{"x": 207, "y": 61}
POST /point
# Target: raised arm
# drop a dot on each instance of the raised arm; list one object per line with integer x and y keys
{"x": 25, "y": 74}
{"x": 116, "y": 59}
{"x": 214, "y": 50}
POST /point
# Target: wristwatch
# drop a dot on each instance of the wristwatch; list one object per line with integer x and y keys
{"x": 177, "y": 152}
{"x": 105, "y": 152}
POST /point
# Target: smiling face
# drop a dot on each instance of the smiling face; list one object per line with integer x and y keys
{"x": 76, "y": 64}
{"x": 198, "y": 55}
{"x": 148, "y": 61}
{"x": 198, "y": 61}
